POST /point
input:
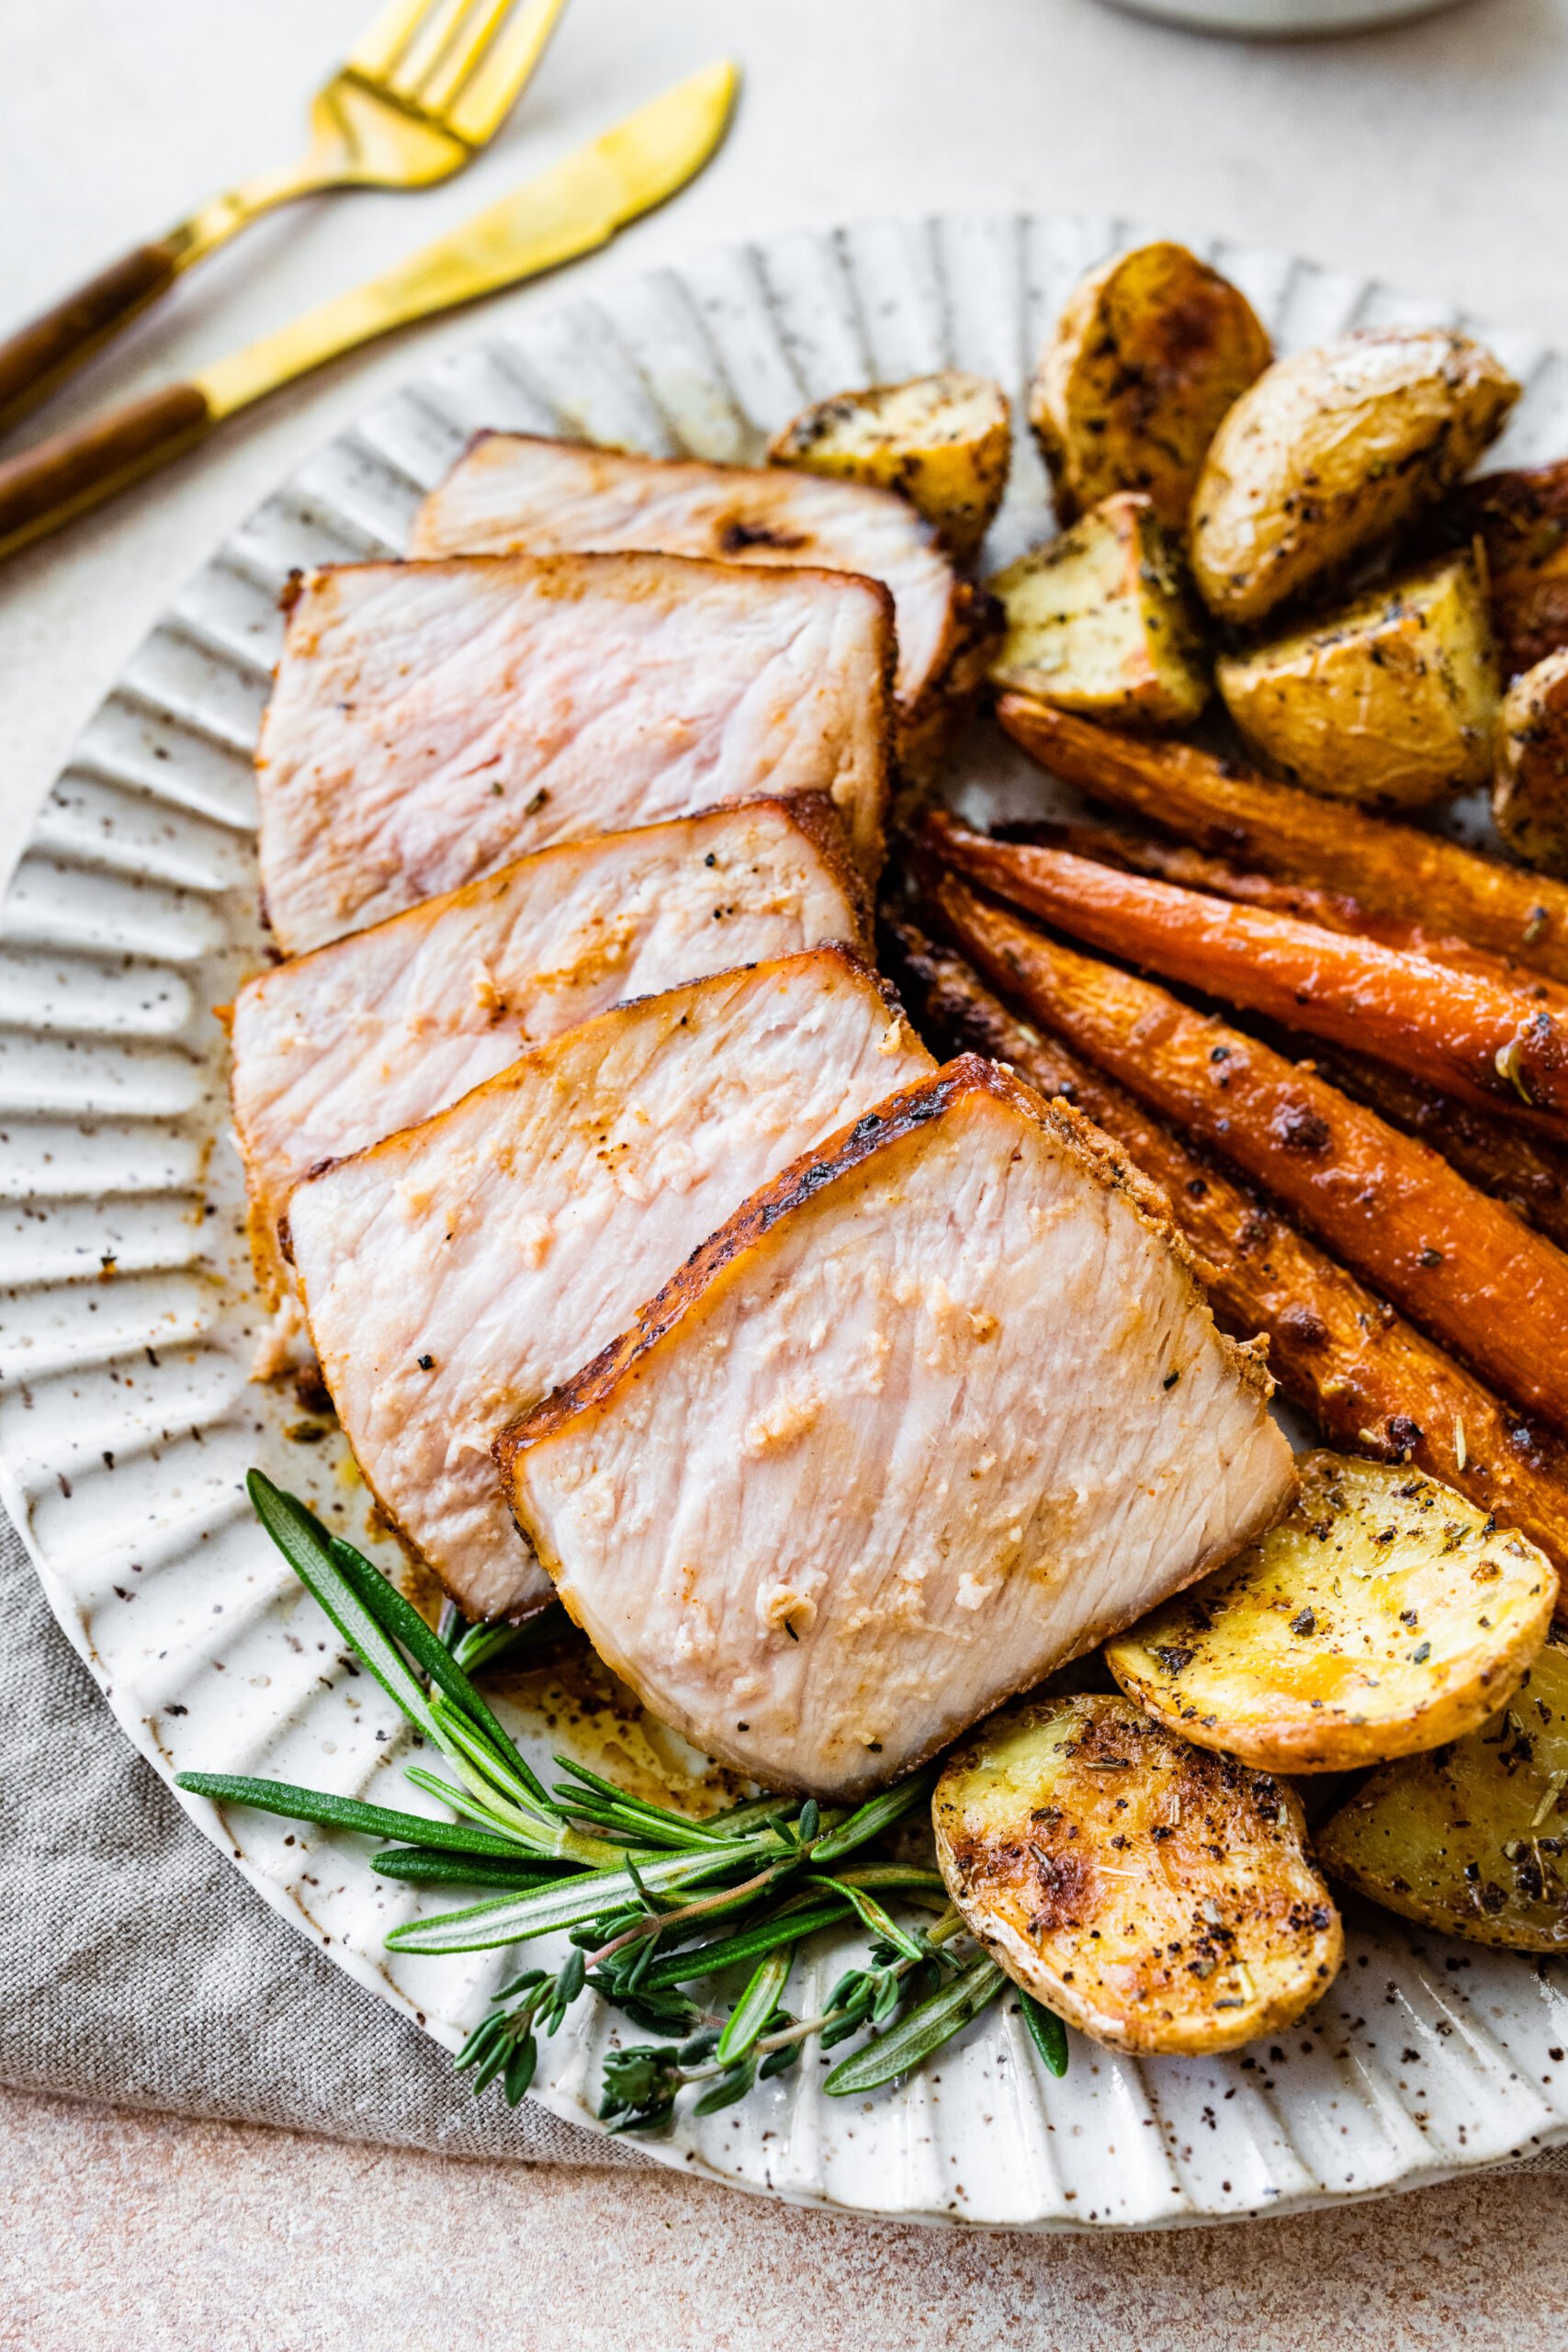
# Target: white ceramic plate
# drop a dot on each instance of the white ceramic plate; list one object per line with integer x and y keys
{"x": 127, "y": 1420}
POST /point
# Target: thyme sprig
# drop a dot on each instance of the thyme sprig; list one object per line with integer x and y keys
{"x": 651, "y": 1901}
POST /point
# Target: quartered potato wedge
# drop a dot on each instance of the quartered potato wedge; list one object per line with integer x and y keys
{"x": 1384, "y": 1615}
{"x": 1332, "y": 450}
{"x": 1148, "y": 354}
{"x": 1474, "y": 1840}
{"x": 1390, "y": 702}
{"x": 1529, "y": 794}
{"x": 1099, "y": 621}
{"x": 943, "y": 442}
{"x": 1155, "y": 1896}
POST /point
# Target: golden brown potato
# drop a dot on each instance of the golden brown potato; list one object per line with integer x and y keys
{"x": 1381, "y": 1616}
{"x": 1529, "y": 792}
{"x": 1099, "y": 621}
{"x": 1157, "y": 1897}
{"x": 1391, "y": 703}
{"x": 1332, "y": 450}
{"x": 1472, "y": 1839}
{"x": 1147, "y": 356}
{"x": 943, "y": 442}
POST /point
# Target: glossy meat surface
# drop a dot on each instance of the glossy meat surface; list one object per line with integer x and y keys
{"x": 454, "y": 1273}
{"x": 432, "y": 722}
{"x": 938, "y": 1410}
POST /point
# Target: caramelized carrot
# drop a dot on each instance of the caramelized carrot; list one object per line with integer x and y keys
{"x": 1368, "y": 1378}
{"x": 1193, "y": 869}
{"x": 1460, "y": 1264}
{"x": 1393, "y": 868}
{"x": 1475, "y": 1037}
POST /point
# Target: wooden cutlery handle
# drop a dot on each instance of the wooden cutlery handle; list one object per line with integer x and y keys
{"x": 35, "y": 359}
{"x": 42, "y": 487}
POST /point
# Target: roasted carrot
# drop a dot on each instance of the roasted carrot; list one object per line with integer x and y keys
{"x": 1460, "y": 1264}
{"x": 1393, "y": 868}
{"x": 1193, "y": 869}
{"x": 1367, "y": 1377}
{"x": 1473, "y": 1038}
{"x": 1528, "y": 1170}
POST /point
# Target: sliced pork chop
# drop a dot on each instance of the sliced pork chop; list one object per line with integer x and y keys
{"x": 431, "y": 722}
{"x": 513, "y": 490}
{"x": 335, "y": 1049}
{"x": 455, "y": 1273}
{"x": 935, "y": 1411}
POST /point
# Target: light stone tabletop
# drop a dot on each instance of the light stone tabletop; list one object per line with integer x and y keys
{"x": 1433, "y": 156}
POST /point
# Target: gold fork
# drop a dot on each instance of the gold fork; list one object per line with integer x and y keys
{"x": 424, "y": 91}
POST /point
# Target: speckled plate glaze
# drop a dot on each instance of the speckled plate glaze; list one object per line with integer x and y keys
{"x": 126, "y": 1418}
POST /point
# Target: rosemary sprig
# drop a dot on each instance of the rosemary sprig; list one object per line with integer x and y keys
{"x": 638, "y": 1889}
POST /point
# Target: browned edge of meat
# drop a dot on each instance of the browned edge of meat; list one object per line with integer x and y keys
{"x": 899, "y": 1116}
{"x": 505, "y": 1080}
{"x": 926, "y": 732}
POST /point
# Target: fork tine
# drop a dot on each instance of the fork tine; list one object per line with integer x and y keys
{"x": 463, "y": 51}
{"x": 440, "y": 22}
{"x": 502, "y": 72}
{"x": 377, "y": 50}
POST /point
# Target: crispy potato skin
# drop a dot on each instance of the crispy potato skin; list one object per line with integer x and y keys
{"x": 943, "y": 442}
{"x": 1530, "y": 793}
{"x": 1149, "y": 353}
{"x": 1381, "y": 1616}
{"x": 1101, "y": 620}
{"x": 1391, "y": 703}
{"x": 1159, "y": 1898}
{"x": 1521, "y": 519}
{"x": 1331, "y": 451}
{"x": 1474, "y": 1840}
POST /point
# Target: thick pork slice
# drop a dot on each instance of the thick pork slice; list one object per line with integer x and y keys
{"x": 512, "y": 491}
{"x": 431, "y": 722}
{"x": 337, "y": 1049}
{"x": 455, "y": 1273}
{"x": 935, "y": 1411}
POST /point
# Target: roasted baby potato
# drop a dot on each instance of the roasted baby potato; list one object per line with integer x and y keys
{"x": 1099, "y": 621}
{"x": 1521, "y": 520}
{"x": 1156, "y": 1896}
{"x": 1332, "y": 450}
{"x": 943, "y": 442}
{"x": 1381, "y": 1616}
{"x": 1392, "y": 702}
{"x": 1529, "y": 792}
{"x": 1472, "y": 1839}
{"x": 1147, "y": 356}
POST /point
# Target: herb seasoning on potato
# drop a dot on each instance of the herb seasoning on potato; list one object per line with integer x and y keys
{"x": 1332, "y": 450}
{"x": 1101, "y": 621}
{"x": 1147, "y": 356}
{"x": 1530, "y": 793}
{"x": 1392, "y": 702}
{"x": 943, "y": 442}
{"x": 1472, "y": 1840}
{"x": 1157, "y": 1897}
{"x": 1381, "y": 1616}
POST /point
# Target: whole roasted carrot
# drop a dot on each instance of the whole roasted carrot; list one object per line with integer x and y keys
{"x": 1368, "y": 1378}
{"x": 1475, "y": 1037}
{"x": 1393, "y": 868}
{"x": 1194, "y": 869}
{"x": 1460, "y": 1264}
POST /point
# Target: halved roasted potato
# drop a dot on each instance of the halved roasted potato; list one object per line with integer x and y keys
{"x": 1529, "y": 792}
{"x": 1332, "y": 450}
{"x": 1156, "y": 1896}
{"x": 943, "y": 442}
{"x": 1099, "y": 621}
{"x": 1472, "y": 1839}
{"x": 1392, "y": 702}
{"x": 1148, "y": 354}
{"x": 1383, "y": 1614}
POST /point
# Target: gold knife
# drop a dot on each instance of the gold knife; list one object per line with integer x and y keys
{"x": 570, "y": 210}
